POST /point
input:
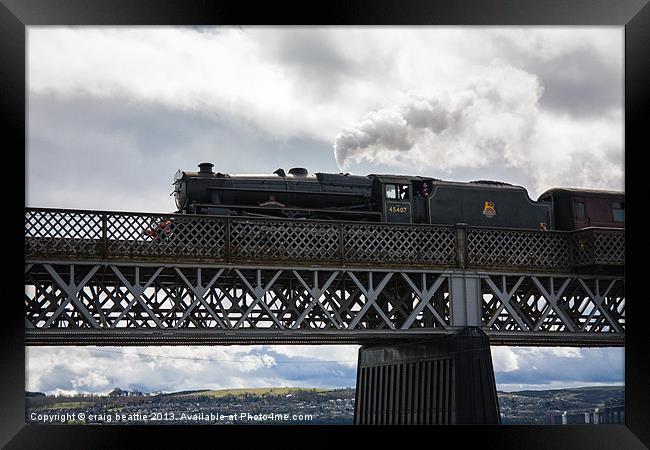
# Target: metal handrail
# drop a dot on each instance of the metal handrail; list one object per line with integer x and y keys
{"x": 452, "y": 239}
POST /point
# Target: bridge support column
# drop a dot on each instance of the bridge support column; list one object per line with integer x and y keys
{"x": 449, "y": 380}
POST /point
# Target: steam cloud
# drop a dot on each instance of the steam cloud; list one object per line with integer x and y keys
{"x": 493, "y": 119}
{"x": 489, "y": 118}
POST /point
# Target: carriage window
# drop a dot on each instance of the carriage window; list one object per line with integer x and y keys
{"x": 391, "y": 191}
{"x": 618, "y": 211}
{"x": 580, "y": 210}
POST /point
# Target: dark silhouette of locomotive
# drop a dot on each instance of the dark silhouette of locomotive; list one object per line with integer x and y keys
{"x": 393, "y": 199}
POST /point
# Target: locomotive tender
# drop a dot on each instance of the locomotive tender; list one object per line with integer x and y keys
{"x": 393, "y": 199}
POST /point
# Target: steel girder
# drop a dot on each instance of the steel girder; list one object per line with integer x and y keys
{"x": 128, "y": 303}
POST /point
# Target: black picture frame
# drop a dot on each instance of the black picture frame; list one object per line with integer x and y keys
{"x": 634, "y": 15}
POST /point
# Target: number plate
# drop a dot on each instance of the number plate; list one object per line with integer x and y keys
{"x": 399, "y": 212}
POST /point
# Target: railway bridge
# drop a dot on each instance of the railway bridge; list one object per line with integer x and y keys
{"x": 424, "y": 301}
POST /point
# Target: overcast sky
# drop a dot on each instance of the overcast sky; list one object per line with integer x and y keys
{"x": 113, "y": 112}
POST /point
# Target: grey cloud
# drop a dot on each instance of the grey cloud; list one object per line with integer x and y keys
{"x": 115, "y": 153}
{"x": 595, "y": 365}
{"x": 88, "y": 370}
{"x": 315, "y": 57}
{"x": 594, "y": 171}
{"x": 211, "y": 29}
{"x": 312, "y": 51}
{"x": 580, "y": 83}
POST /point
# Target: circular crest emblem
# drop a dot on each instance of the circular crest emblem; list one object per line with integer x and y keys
{"x": 488, "y": 210}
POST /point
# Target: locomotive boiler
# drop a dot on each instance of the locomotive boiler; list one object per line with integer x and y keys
{"x": 392, "y": 199}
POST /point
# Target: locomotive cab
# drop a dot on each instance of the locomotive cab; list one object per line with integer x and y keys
{"x": 397, "y": 199}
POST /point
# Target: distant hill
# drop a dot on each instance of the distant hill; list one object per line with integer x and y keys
{"x": 538, "y": 393}
{"x": 268, "y": 391}
{"x": 581, "y": 395}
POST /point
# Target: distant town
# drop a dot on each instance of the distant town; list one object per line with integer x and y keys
{"x": 299, "y": 406}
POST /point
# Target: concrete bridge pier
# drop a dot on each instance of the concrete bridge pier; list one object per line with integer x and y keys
{"x": 446, "y": 380}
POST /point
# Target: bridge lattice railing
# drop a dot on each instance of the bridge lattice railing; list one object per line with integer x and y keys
{"x": 60, "y": 233}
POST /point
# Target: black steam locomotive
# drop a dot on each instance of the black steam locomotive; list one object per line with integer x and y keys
{"x": 393, "y": 199}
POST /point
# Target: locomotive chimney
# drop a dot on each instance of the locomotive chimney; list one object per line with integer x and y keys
{"x": 206, "y": 168}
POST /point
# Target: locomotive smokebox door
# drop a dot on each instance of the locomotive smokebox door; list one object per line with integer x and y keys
{"x": 397, "y": 202}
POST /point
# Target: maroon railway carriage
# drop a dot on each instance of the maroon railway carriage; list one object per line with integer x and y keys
{"x": 574, "y": 209}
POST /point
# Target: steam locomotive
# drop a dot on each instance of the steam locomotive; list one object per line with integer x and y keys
{"x": 393, "y": 199}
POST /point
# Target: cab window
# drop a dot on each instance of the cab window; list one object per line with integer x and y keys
{"x": 618, "y": 211}
{"x": 396, "y": 191}
{"x": 580, "y": 210}
{"x": 403, "y": 192}
{"x": 390, "y": 191}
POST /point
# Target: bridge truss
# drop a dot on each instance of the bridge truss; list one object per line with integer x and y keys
{"x": 98, "y": 278}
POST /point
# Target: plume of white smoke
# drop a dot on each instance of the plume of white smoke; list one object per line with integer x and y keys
{"x": 490, "y": 118}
